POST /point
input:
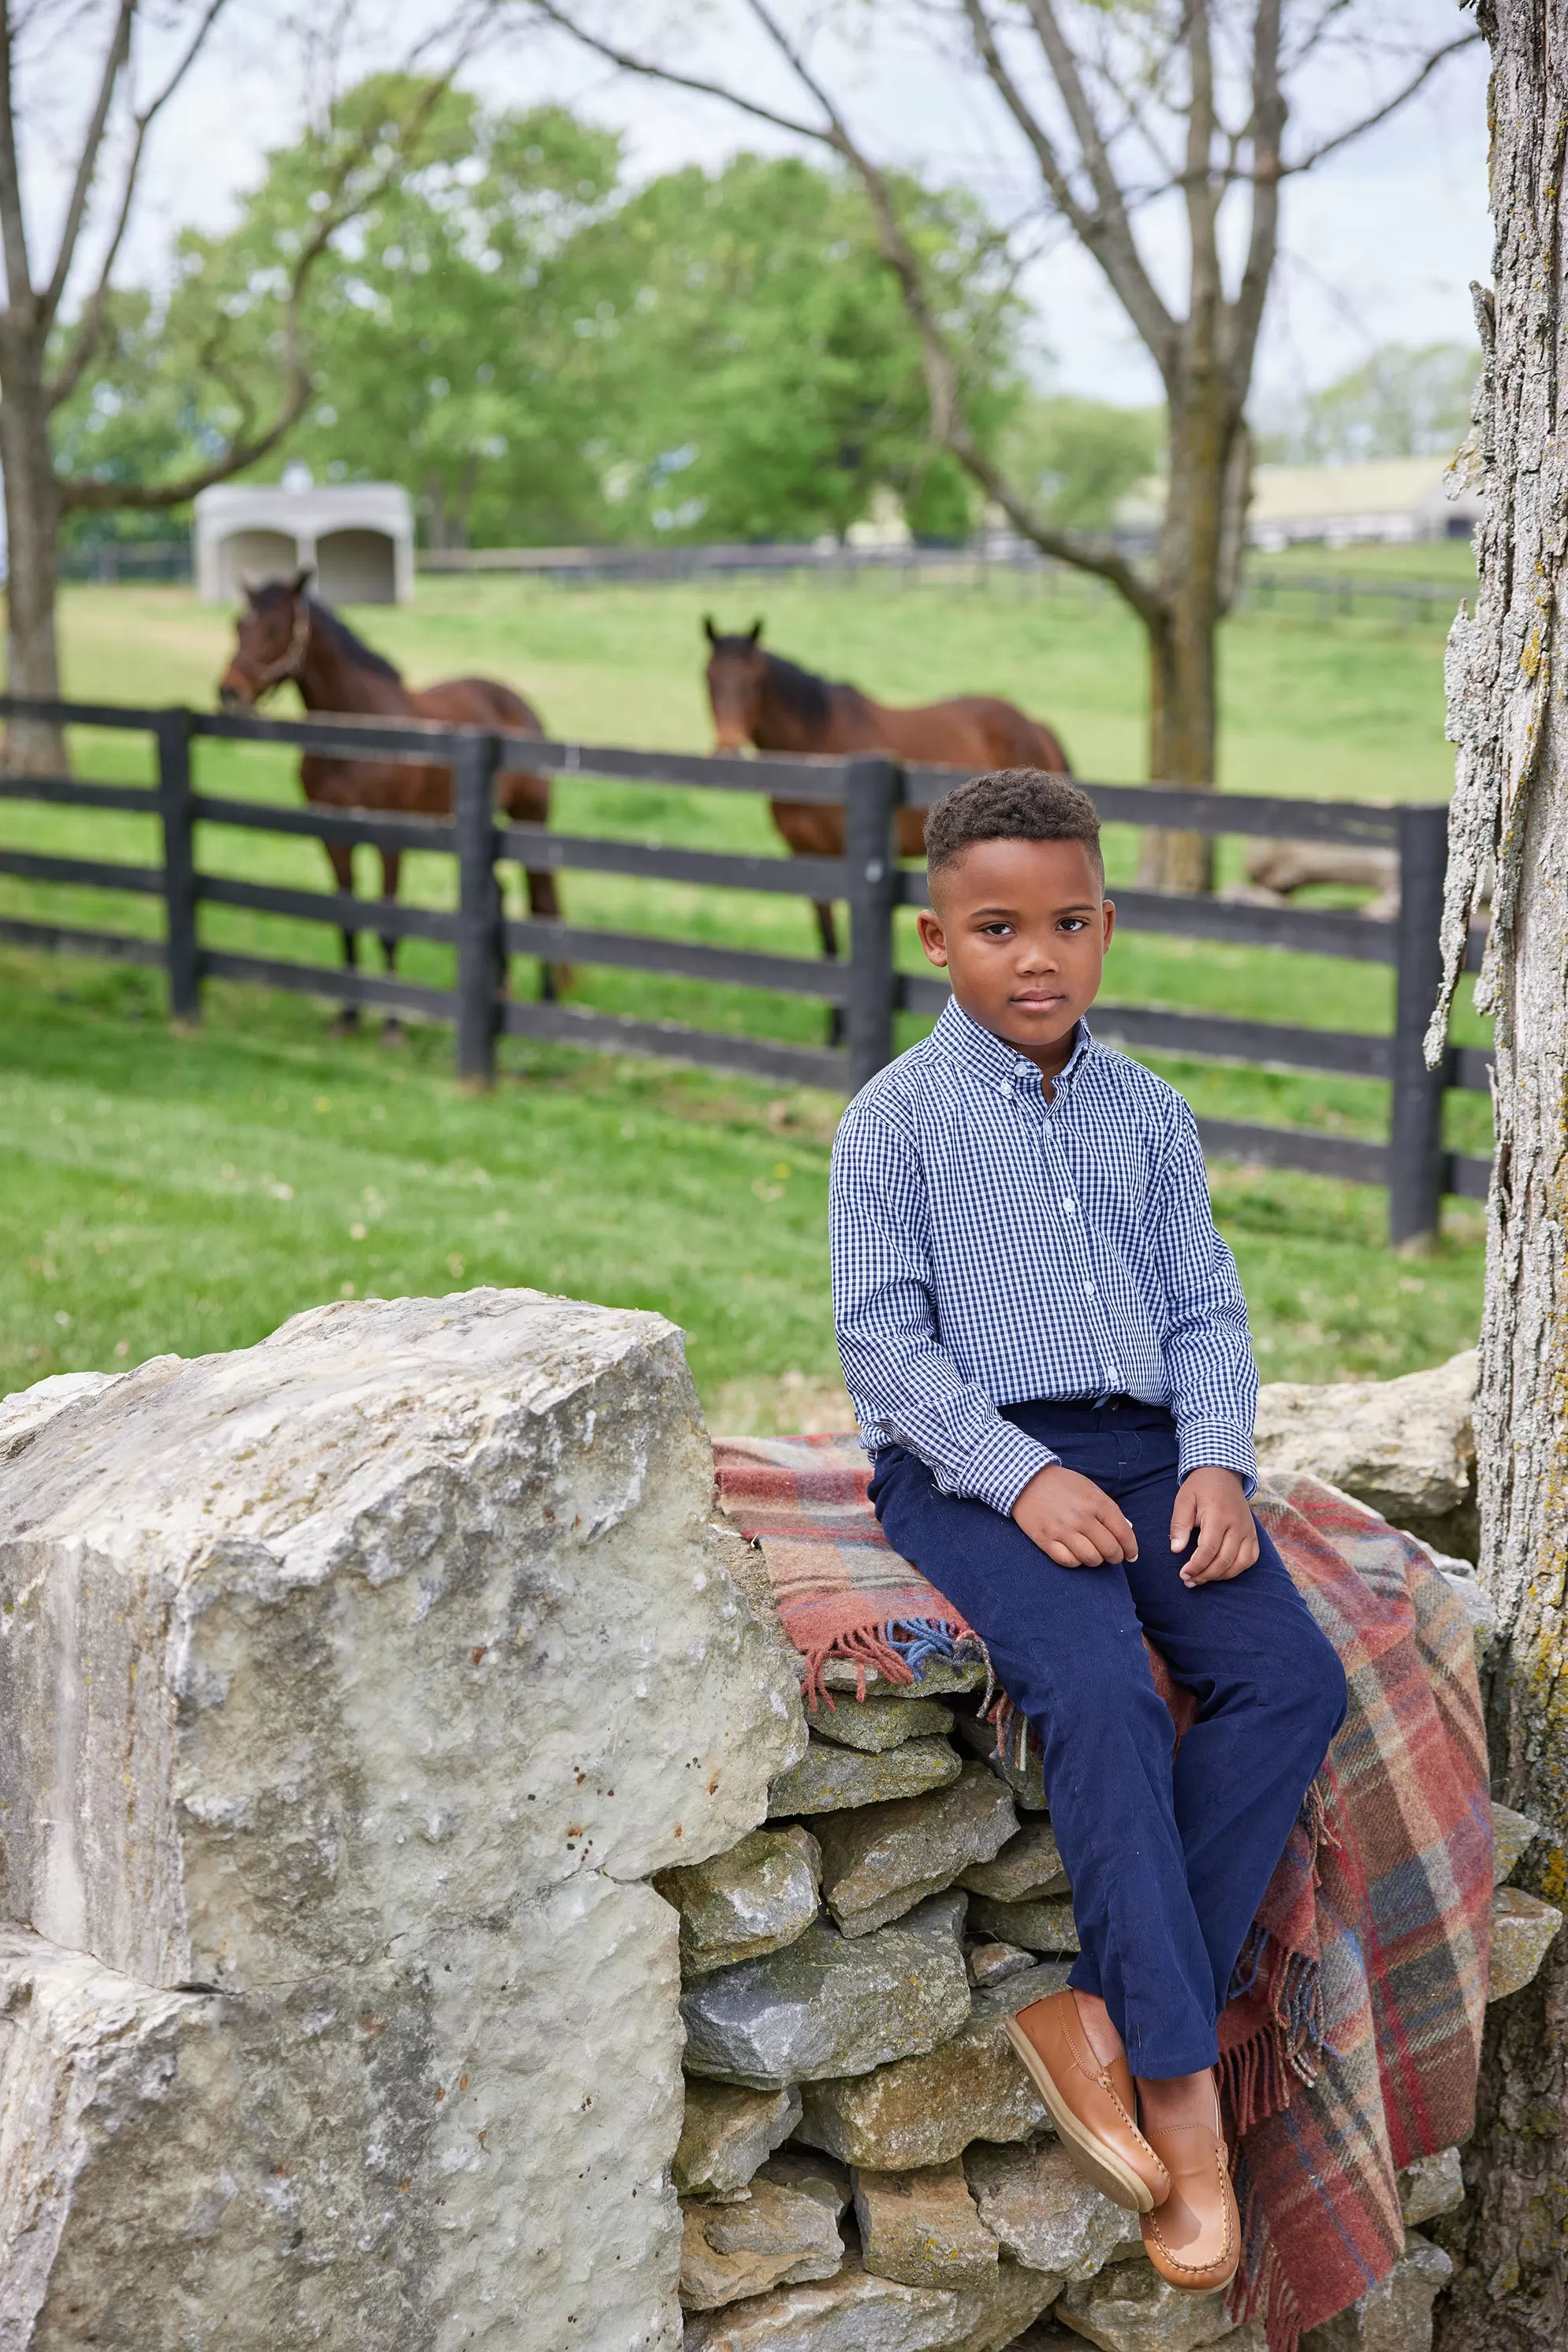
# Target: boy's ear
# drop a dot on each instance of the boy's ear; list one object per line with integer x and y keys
{"x": 933, "y": 938}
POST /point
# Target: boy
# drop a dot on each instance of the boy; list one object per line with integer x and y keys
{"x": 1047, "y": 1346}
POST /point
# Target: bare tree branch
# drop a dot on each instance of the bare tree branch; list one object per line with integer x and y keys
{"x": 1114, "y": 246}
{"x": 1268, "y": 131}
{"x": 1381, "y": 113}
{"x": 648, "y": 71}
{"x": 116, "y": 57}
{"x": 1206, "y": 291}
{"x": 949, "y": 424}
{"x": 243, "y": 449}
{"x": 90, "y": 327}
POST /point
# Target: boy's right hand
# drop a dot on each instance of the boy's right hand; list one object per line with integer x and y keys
{"x": 1073, "y": 1521}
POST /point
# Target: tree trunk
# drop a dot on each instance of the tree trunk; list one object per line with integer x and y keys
{"x": 1507, "y": 717}
{"x": 32, "y": 530}
{"x": 1183, "y": 679}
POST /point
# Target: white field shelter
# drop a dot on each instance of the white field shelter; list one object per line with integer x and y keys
{"x": 358, "y": 536}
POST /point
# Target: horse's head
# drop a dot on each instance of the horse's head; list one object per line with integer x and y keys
{"x": 270, "y": 636}
{"x": 737, "y": 674}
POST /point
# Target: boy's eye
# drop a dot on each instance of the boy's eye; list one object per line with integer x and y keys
{"x": 1073, "y": 923}
{"x": 995, "y": 930}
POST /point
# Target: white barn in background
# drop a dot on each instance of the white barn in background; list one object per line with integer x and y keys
{"x": 357, "y": 536}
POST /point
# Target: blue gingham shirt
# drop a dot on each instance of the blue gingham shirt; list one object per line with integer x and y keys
{"x": 990, "y": 1247}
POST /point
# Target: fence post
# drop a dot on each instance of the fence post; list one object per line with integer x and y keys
{"x": 872, "y": 791}
{"x": 479, "y": 957}
{"x": 183, "y": 956}
{"x": 1415, "y": 1122}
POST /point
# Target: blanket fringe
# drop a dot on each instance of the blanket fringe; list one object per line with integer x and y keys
{"x": 1260, "y": 2289}
{"x": 899, "y": 1650}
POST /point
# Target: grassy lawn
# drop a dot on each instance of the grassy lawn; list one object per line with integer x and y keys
{"x": 160, "y": 1193}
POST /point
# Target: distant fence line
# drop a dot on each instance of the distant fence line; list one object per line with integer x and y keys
{"x": 1331, "y": 595}
{"x": 972, "y": 566}
{"x": 867, "y": 985}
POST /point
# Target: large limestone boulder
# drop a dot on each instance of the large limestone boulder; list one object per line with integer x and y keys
{"x": 349, "y": 1686}
{"x": 1405, "y": 1447}
{"x": 214, "y": 1573}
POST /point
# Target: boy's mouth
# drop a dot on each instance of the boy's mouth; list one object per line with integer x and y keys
{"x": 1041, "y": 1000}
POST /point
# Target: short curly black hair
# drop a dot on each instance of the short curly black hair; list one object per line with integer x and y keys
{"x": 1012, "y": 804}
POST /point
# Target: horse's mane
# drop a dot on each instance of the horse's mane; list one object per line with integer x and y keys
{"x": 362, "y": 655}
{"x": 802, "y": 691}
{"x": 335, "y": 630}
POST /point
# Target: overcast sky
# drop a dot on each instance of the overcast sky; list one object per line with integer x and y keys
{"x": 1379, "y": 242}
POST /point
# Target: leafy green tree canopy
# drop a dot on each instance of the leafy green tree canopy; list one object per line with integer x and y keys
{"x": 1078, "y": 460}
{"x": 540, "y": 354}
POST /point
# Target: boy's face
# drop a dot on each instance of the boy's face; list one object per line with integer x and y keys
{"x": 1021, "y": 928}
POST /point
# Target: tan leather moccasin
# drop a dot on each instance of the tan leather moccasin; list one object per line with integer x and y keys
{"x": 1093, "y": 2106}
{"x": 1194, "y": 2239}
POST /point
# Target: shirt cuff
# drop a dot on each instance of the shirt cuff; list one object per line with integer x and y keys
{"x": 1218, "y": 1445}
{"x": 998, "y": 1469}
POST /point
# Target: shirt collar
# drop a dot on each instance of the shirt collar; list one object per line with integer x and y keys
{"x": 988, "y": 1056}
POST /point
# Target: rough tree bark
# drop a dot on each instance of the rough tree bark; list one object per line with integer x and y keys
{"x": 1509, "y": 720}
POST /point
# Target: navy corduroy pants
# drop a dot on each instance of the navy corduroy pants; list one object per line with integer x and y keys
{"x": 1167, "y": 1857}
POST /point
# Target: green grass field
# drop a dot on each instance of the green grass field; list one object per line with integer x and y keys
{"x": 160, "y": 1193}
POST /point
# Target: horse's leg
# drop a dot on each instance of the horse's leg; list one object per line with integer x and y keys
{"x": 340, "y": 855}
{"x": 392, "y": 868}
{"x": 827, "y": 926}
{"x": 544, "y": 902}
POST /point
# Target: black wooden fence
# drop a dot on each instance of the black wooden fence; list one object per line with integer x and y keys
{"x": 866, "y": 985}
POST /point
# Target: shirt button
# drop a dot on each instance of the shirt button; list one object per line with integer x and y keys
{"x": 1069, "y": 1205}
{"x": 1089, "y": 1290}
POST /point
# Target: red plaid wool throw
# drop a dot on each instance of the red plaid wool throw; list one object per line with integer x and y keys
{"x": 1351, "y": 2046}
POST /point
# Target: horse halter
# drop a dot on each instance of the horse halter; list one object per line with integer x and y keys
{"x": 288, "y": 665}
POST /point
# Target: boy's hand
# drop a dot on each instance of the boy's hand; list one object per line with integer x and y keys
{"x": 1212, "y": 1501}
{"x": 1073, "y": 1523}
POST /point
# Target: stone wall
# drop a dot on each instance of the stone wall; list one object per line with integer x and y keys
{"x": 399, "y": 1769}
{"x": 352, "y": 1689}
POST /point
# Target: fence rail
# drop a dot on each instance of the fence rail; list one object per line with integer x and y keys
{"x": 867, "y": 987}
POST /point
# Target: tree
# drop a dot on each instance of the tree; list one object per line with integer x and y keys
{"x": 540, "y": 355}
{"x": 1120, "y": 108}
{"x": 441, "y": 325}
{"x": 45, "y": 351}
{"x": 1075, "y": 460}
{"x": 1507, "y": 715}
{"x": 758, "y": 377}
{"x": 1401, "y": 402}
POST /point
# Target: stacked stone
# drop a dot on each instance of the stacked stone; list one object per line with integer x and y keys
{"x": 351, "y": 1689}
{"x": 865, "y": 2165}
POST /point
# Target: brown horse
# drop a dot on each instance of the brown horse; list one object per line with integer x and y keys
{"x": 759, "y": 698}
{"x": 284, "y": 634}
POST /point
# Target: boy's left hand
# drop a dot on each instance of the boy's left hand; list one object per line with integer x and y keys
{"x": 1212, "y": 1501}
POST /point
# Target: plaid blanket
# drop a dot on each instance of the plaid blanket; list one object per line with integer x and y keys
{"x": 1352, "y": 2040}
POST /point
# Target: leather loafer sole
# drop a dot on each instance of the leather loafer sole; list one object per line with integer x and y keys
{"x": 1101, "y": 2164}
